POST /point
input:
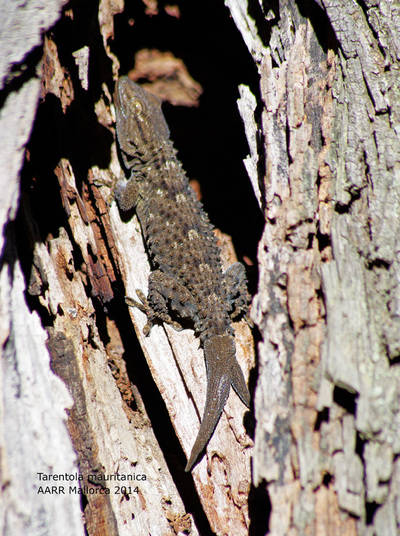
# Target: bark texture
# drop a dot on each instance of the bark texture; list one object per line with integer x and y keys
{"x": 327, "y": 177}
{"x": 33, "y": 435}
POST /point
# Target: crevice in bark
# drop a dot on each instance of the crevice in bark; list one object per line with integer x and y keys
{"x": 310, "y": 240}
{"x": 249, "y": 420}
{"x": 324, "y": 240}
{"x": 20, "y": 73}
{"x": 360, "y": 445}
{"x": 287, "y": 139}
{"x": 378, "y": 263}
{"x": 395, "y": 360}
{"x": 345, "y": 399}
{"x": 374, "y": 33}
{"x": 34, "y": 305}
{"x": 84, "y": 503}
{"x": 322, "y": 416}
{"x": 37, "y": 218}
{"x": 259, "y": 510}
{"x": 82, "y": 29}
{"x": 42, "y": 155}
{"x": 261, "y": 150}
{"x": 341, "y": 208}
{"x": 370, "y": 95}
{"x": 259, "y": 15}
{"x": 320, "y": 23}
{"x": 355, "y": 194}
{"x": 327, "y": 480}
{"x": 370, "y": 511}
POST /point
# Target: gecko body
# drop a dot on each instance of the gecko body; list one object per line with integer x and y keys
{"x": 186, "y": 281}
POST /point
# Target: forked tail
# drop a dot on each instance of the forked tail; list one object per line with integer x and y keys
{"x": 222, "y": 371}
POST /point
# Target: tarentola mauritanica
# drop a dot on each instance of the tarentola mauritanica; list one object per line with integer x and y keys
{"x": 186, "y": 281}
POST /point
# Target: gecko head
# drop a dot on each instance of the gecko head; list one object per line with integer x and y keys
{"x": 139, "y": 118}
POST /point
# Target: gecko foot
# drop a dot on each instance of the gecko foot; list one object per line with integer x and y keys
{"x": 109, "y": 182}
{"x": 152, "y": 314}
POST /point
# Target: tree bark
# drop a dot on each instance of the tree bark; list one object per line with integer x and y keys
{"x": 33, "y": 436}
{"x": 327, "y": 307}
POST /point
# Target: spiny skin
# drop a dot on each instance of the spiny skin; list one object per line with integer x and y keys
{"x": 187, "y": 278}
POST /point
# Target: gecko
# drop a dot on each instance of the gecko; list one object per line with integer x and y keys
{"x": 186, "y": 283}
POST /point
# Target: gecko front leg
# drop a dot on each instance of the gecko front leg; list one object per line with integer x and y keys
{"x": 126, "y": 193}
{"x": 165, "y": 294}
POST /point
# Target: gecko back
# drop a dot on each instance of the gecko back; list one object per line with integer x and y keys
{"x": 186, "y": 282}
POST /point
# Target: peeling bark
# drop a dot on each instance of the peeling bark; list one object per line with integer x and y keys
{"x": 33, "y": 436}
{"x": 327, "y": 442}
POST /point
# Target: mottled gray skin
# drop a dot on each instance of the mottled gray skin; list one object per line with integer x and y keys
{"x": 186, "y": 281}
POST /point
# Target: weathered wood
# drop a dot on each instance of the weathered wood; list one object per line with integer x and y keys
{"x": 33, "y": 435}
{"x": 73, "y": 266}
{"x": 21, "y": 33}
{"x": 34, "y": 438}
{"x": 327, "y": 441}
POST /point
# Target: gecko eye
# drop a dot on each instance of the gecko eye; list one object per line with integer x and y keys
{"x": 137, "y": 105}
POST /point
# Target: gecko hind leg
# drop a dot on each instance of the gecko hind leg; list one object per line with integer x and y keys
{"x": 237, "y": 293}
{"x": 126, "y": 193}
{"x": 165, "y": 294}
